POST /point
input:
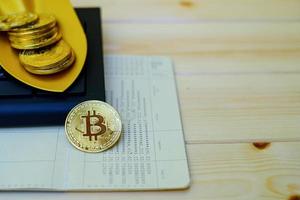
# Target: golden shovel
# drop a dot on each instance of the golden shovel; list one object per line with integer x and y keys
{"x": 71, "y": 30}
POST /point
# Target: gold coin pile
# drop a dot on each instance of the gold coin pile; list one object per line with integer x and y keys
{"x": 48, "y": 60}
{"x": 93, "y": 126}
{"x": 42, "y": 51}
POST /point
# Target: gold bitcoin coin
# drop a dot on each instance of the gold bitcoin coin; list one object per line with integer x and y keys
{"x": 32, "y": 32}
{"x": 37, "y": 43}
{"x": 54, "y": 69}
{"x": 93, "y": 126}
{"x": 17, "y": 20}
{"x": 44, "y": 22}
{"x": 48, "y": 60}
{"x": 33, "y": 37}
{"x": 65, "y": 61}
{"x": 47, "y": 56}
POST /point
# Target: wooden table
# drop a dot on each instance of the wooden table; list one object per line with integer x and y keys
{"x": 237, "y": 66}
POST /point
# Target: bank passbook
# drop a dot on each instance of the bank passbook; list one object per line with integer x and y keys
{"x": 150, "y": 154}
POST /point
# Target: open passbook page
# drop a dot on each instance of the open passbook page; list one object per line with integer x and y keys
{"x": 150, "y": 154}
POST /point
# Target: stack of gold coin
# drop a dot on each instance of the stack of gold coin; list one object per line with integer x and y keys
{"x": 40, "y": 34}
{"x": 48, "y": 60}
{"x": 42, "y": 51}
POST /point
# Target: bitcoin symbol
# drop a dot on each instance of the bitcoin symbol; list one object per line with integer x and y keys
{"x": 94, "y": 125}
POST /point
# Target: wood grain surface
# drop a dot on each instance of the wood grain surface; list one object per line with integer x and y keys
{"x": 237, "y": 65}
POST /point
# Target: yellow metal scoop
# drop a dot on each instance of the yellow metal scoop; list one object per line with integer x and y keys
{"x": 71, "y": 30}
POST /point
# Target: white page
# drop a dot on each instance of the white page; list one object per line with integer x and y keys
{"x": 150, "y": 154}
